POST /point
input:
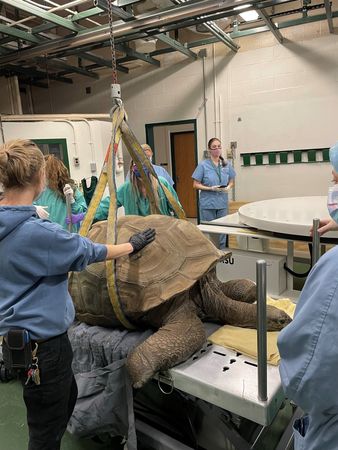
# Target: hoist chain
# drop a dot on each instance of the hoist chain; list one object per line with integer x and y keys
{"x": 112, "y": 41}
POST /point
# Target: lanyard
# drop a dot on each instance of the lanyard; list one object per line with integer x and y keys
{"x": 218, "y": 171}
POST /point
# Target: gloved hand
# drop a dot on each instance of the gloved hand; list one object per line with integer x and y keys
{"x": 68, "y": 192}
{"x": 219, "y": 189}
{"x": 224, "y": 189}
{"x": 76, "y": 218}
{"x": 41, "y": 211}
{"x": 140, "y": 240}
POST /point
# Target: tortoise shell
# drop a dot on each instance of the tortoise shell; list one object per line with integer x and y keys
{"x": 179, "y": 256}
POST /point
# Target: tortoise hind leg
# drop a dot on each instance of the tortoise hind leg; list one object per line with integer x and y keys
{"x": 181, "y": 334}
{"x": 241, "y": 290}
{"x": 214, "y": 304}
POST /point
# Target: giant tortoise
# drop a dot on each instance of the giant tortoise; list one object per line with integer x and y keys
{"x": 170, "y": 286}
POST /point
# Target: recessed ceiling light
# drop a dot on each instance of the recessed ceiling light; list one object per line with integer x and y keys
{"x": 249, "y": 15}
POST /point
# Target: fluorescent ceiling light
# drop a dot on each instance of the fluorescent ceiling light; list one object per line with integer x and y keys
{"x": 249, "y": 15}
{"x": 242, "y": 6}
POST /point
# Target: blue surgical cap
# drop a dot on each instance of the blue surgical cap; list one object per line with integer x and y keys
{"x": 334, "y": 156}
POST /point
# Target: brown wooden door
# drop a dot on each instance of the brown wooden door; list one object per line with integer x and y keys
{"x": 184, "y": 163}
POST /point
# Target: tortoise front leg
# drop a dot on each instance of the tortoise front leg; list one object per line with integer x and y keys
{"x": 181, "y": 334}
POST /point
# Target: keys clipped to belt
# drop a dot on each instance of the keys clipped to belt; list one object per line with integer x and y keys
{"x": 33, "y": 372}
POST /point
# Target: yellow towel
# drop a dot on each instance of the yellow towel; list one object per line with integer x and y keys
{"x": 244, "y": 340}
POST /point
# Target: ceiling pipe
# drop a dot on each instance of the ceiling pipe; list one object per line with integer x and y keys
{"x": 53, "y": 117}
{"x": 148, "y": 21}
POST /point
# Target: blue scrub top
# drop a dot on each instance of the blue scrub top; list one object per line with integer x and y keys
{"x": 309, "y": 357}
{"x": 208, "y": 174}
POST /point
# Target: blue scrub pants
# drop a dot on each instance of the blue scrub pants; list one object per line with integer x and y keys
{"x": 211, "y": 214}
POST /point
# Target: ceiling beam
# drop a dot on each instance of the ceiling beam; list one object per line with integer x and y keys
{"x": 328, "y": 11}
{"x": 116, "y": 10}
{"x": 122, "y": 3}
{"x": 65, "y": 68}
{"x": 272, "y": 27}
{"x": 85, "y": 14}
{"x": 177, "y": 16}
{"x": 98, "y": 66}
{"x": 75, "y": 17}
{"x": 249, "y": 32}
{"x": 19, "y": 34}
{"x": 216, "y": 31}
{"x": 41, "y": 13}
{"x": 32, "y": 74}
{"x": 43, "y": 27}
{"x": 133, "y": 54}
{"x": 96, "y": 59}
{"x": 125, "y": 15}
{"x": 176, "y": 45}
{"x": 122, "y": 68}
{"x": 222, "y": 36}
{"x": 101, "y": 62}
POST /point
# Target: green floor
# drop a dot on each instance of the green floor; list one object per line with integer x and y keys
{"x": 13, "y": 428}
{"x": 14, "y": 433}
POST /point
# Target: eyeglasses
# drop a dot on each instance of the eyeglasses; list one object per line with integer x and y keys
{"x": 216, "y": 148}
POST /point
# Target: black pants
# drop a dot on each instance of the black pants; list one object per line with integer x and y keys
{"x": 50, "y": 404}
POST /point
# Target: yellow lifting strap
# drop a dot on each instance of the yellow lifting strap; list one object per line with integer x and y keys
{"x": 120, "y": 128}
{"x": 141, "y": 160}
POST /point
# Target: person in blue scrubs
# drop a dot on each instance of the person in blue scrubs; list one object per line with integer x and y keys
{"x": 53, "y": 198}
{"x": 214, "y": 178}
{"x": 35, "y": 258}
{"x": 309, "y": 349}
{"x": 326, "y": 225}
{"x": 159, "y": 170}
{"x": 132, "y": 195}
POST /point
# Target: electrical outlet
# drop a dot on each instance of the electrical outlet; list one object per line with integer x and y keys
{"x": 76, "y": 161}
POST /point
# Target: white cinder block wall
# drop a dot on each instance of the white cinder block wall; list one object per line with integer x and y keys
{"x": 266, "y": 97}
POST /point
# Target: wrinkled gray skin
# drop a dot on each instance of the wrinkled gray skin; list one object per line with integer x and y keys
{"x": 209, "y": 299}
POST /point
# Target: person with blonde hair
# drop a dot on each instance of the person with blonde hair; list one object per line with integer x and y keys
{"x": 35, "y": 306}
{"x": 132, "y": 195}
{"x": 60, "y": 185}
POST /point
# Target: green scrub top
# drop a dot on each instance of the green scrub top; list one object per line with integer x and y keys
{"x": 57, "y": 207}
{"x": 135, "y": 204}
